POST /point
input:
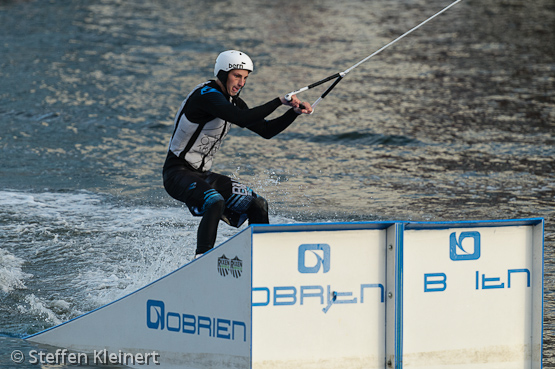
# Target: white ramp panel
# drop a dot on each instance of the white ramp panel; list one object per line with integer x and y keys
{"x": 319, "y": 299}
{"x": 468, "y": 298}
{"x": 195, "y": 317}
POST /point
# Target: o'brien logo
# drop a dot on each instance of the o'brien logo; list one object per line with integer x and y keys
{"x": 200, "y": 326}
{"x": 233, "y": 266}
{"x": 318, "y": 258}
{"x": 155, "y": 314}
{"x": 466, "y": 247}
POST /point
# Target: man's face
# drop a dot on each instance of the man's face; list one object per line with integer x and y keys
{"x": 236, "y": 79}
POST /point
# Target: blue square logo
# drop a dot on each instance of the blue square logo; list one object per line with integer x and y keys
{"x": 320, "y": 256}
{"x": 470, "y": 250}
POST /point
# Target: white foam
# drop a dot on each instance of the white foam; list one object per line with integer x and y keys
{"x": 37, "y": 306}
{"x": 11, "y": 272}
{"x": 88, "y": 250}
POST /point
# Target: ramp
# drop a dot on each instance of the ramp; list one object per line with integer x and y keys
{"x": 334, "y": 295}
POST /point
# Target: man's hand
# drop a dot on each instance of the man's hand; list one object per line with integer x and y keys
{"x": 304, "y": 108}
{"x": 297, "y": 105}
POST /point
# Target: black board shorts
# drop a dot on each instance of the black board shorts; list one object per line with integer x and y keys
{"x": 198, "y": 190}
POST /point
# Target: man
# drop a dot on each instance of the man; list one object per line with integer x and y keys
{"x": 201, "y": 124}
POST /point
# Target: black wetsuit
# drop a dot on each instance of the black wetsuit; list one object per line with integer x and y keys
{"x": 201, "y": 124}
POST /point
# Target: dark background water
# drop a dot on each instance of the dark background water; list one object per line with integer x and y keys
{"x": 454, "y": 122}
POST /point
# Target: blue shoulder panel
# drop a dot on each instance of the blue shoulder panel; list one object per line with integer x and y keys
{"x": 207, "y": 90}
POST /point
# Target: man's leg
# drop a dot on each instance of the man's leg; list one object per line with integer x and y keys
{"x": 201, "y": 199}
{"x": 258, "y": 211}
{"x": 241, "y": 203}
{"x": 212, "y": 210}
{"x": 208, "y": 227}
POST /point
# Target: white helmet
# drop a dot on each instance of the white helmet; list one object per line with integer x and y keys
{"x": 232, "y": 59}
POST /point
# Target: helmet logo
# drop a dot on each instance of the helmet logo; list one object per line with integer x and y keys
{"x": 235, "y": 66}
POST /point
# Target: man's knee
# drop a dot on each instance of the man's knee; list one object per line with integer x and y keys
{"x": 214, "y": 201}
{"x": 258, "y": 211}
{"x": 260, "y": 203}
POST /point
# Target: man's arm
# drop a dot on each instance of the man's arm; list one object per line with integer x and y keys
{"x": 209, "y": 101}
{"x": 270, "y": 128}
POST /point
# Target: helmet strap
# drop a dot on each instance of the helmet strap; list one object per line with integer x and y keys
{"x": 222, "y": 76}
